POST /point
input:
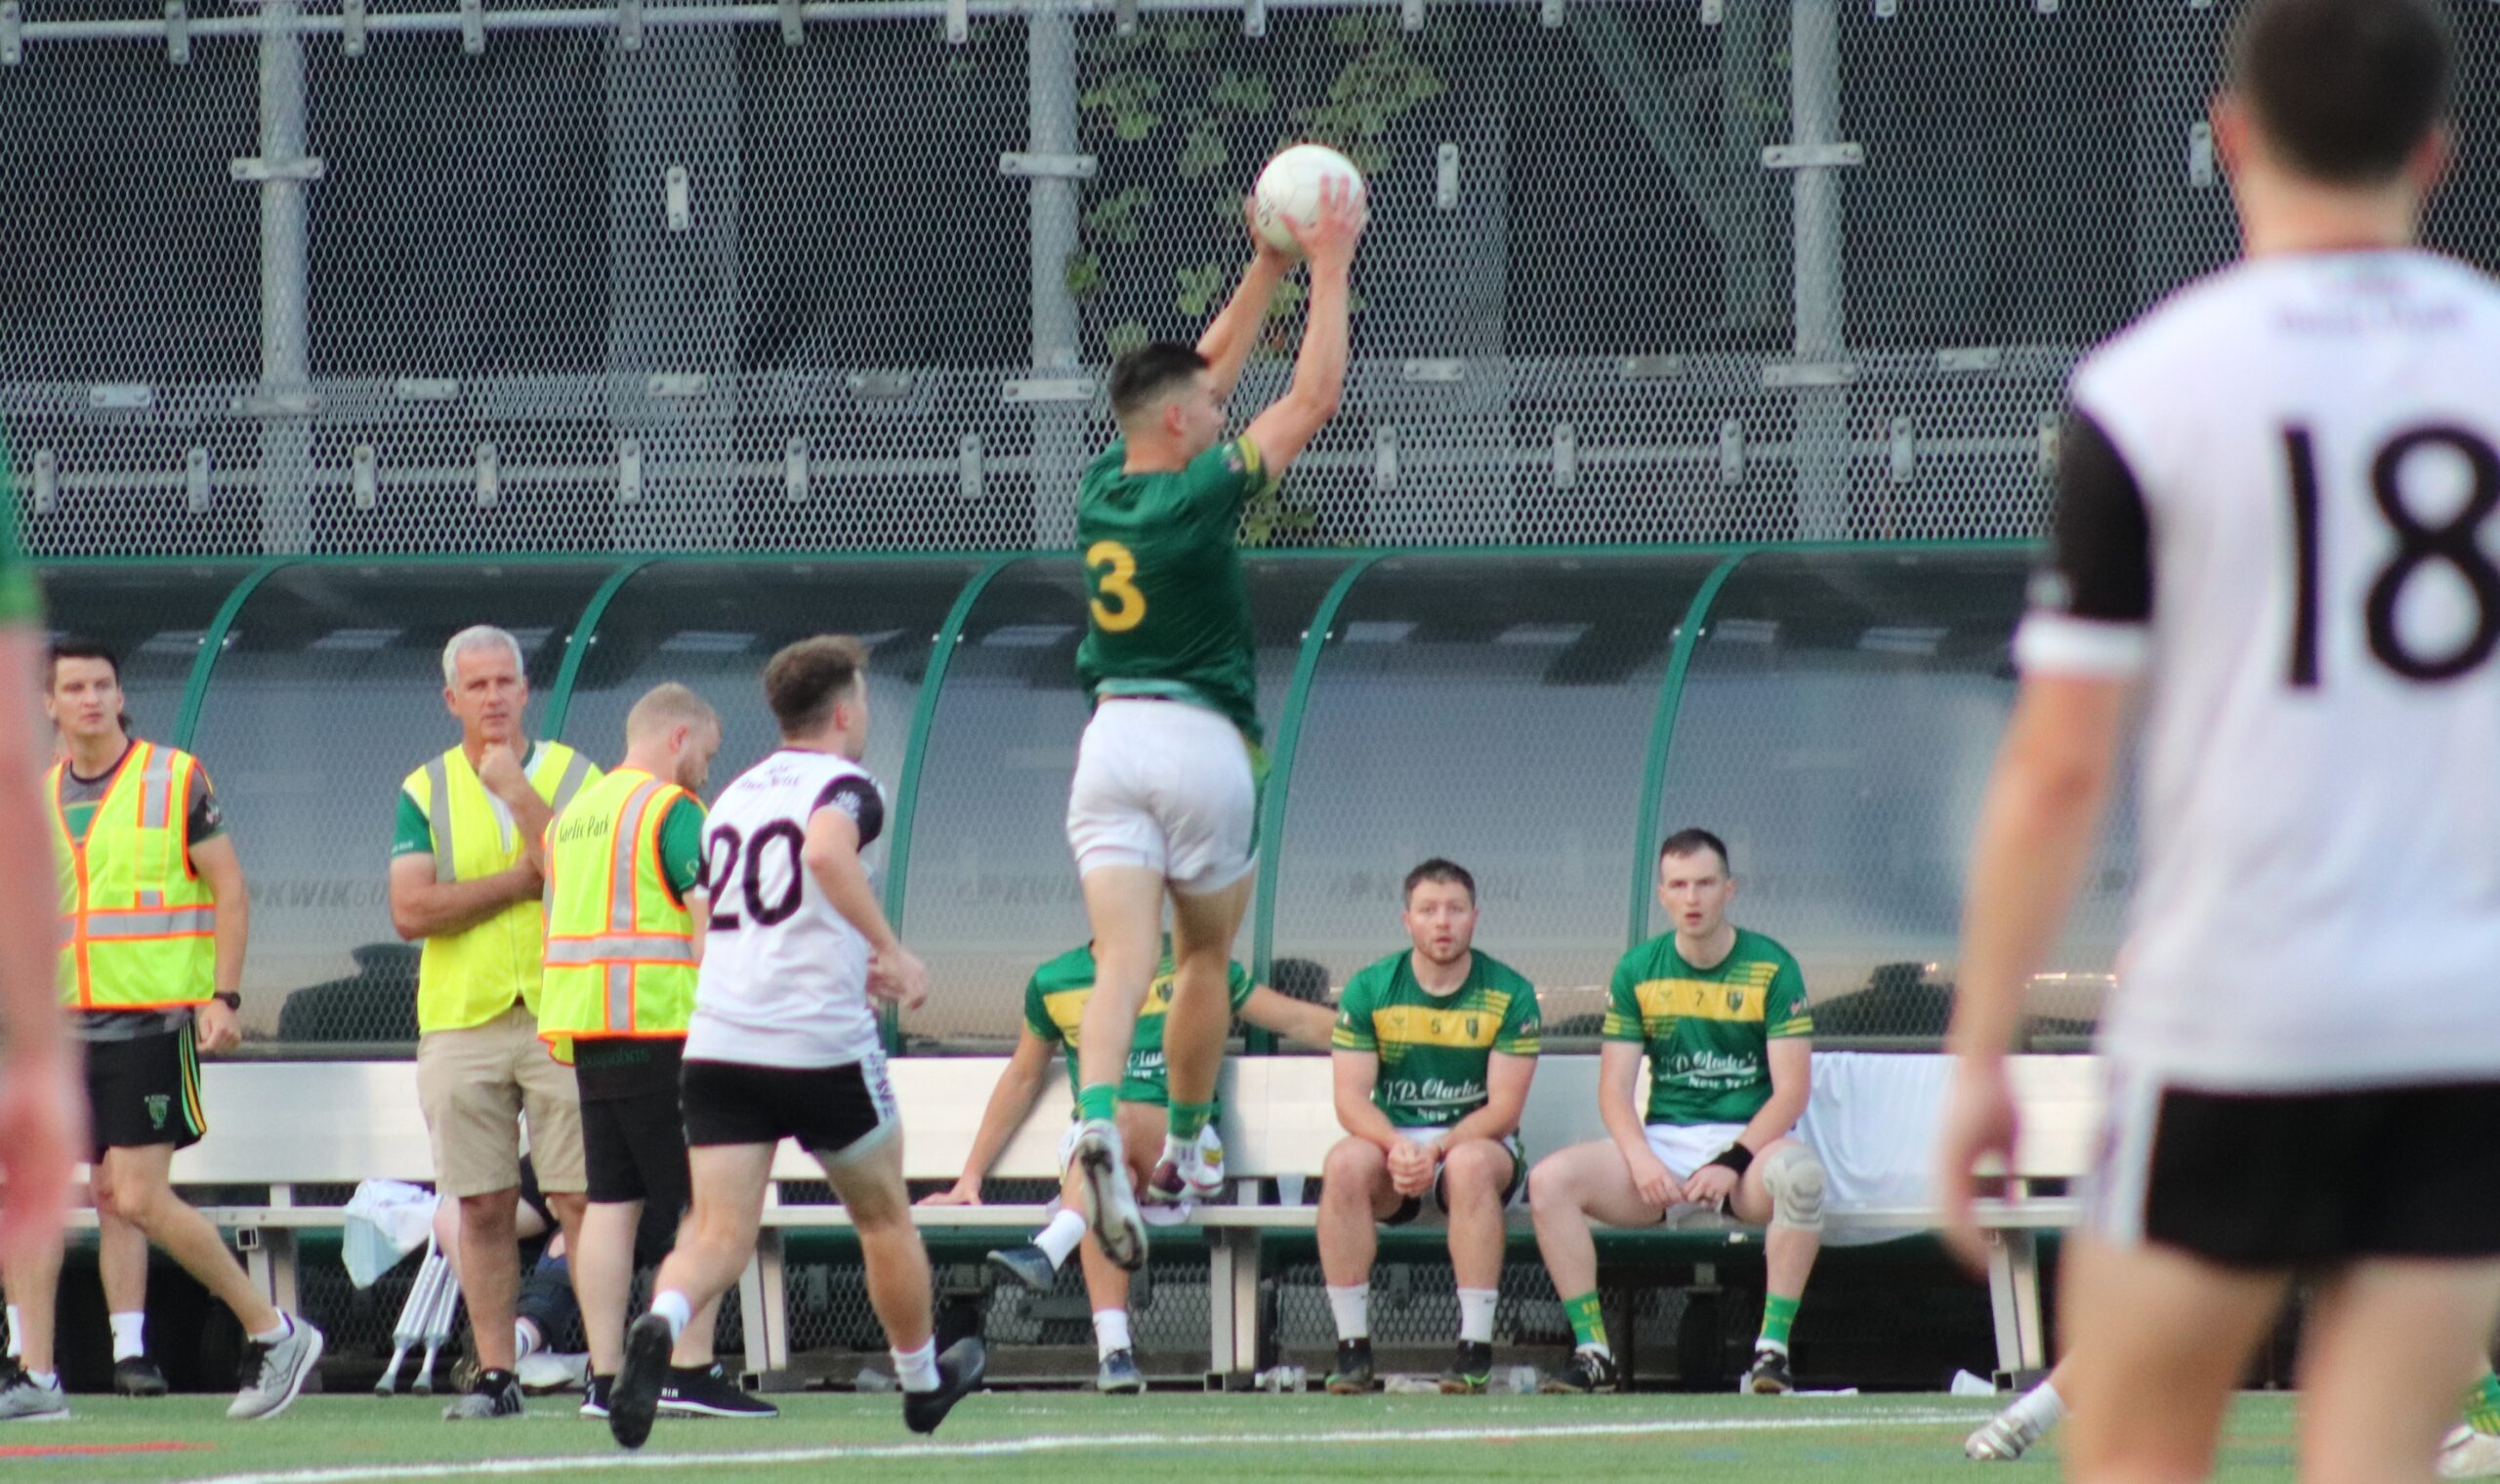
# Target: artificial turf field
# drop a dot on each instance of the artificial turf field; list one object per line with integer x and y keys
{"x": 1069, "y": 1436}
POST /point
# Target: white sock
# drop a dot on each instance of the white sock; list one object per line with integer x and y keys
{"x": 15, "y": 1348}
{"x": 49, "y": 1380}
{"x": 130, "y": 1335}
{"x": 1476, "y": 1315}
{"x": 917, "y": 1369}
{"x": 526, "y": 1340}
{"x": 1761, "y": 1346}
{"x": 1353, "y": 1308}
{"x": 1110, "y": 1332}
{"x": 2041, "y": 1407}
{"x": 671, "y": 1305}
{"x": 272, "y": 1335}
{"x": 1060, "y": 1237}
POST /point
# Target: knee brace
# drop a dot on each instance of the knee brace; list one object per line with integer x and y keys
{"x": 1794, "y": 1176}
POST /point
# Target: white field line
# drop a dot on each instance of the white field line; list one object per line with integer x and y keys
{"x": 1066, "y": 1443}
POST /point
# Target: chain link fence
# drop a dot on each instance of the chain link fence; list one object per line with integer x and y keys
{"x": 517, "y": 275}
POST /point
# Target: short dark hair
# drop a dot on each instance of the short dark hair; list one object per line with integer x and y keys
{"x": 1693, "y": 842}
{"x": 804, "y": 680}
{"x": 2344, "y": 89}
{"x": 1447, "y": 872}
{"x": 1147, "y": 372}
{"x": 78, "y": 649}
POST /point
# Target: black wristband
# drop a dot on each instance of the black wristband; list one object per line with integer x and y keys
{"x": 1735, "y": 1157}
{"x": 230, "y": 999}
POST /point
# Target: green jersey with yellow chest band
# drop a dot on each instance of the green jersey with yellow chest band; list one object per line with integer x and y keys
{"x": 1168, "y": 613}
{"x": 1055, "y": 1009}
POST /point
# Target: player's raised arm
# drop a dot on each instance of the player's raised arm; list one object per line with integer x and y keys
{"x": 1233, "y": 334}
{"x": 1282, "y": 432}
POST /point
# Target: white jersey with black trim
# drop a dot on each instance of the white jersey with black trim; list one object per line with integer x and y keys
{"x": 2280, "y": 504}
{"x": 785, "y": 977}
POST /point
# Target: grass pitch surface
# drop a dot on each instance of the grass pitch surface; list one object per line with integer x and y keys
{"x": 1077, "y": 1438}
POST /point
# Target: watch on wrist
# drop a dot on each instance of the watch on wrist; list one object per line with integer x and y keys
{"x": 231, "y": 999}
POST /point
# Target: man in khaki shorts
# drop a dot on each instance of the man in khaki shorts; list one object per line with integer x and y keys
{"x": 461, "y": 880}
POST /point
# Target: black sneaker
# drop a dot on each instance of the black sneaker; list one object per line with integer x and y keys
{"x": 1118, "y": 1375}
{"x": 1027, "y": 1265}
{"x": 494, "y": 1394}
{"x": 959, "y": 1373}
{"x": 633, "y": 1397}
{"x": 138, "y": 1375}
{"x": 1471, "y": 1372}
{"x": 1353, "y": 1373}
{"x": 595, "y": 1395}
{"x": 1770, "y": 1376}
{"x": 708, "y": 1392}
{"x": 1590, "y": 1371}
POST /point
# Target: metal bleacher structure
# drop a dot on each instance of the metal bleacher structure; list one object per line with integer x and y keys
{"x": 1707, "y": 369}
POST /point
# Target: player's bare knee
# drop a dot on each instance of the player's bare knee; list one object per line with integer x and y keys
{"x": 1551, "y": 1190}
{"x": 1794, "y": 1177}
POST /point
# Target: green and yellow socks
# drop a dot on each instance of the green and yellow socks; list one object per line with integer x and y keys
{"x": 1777, "y": 1315}
{"x": 1588, "y": 1323}
{"x": 2483, "y": 1405}
{"x": 1099, "y": 1100}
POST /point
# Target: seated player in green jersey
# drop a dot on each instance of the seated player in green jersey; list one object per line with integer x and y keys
{"x": 1054, "y": 1017}
{"x": 1720, "y": 1014}
{"x": 1433, "y": 1050}
{"x": 1164, "y": 802}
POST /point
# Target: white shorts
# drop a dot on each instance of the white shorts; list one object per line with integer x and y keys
{"x": 1166, "y": 786}
{"x": 1686, "y": 1147}
{"x": 1416, "y": 1210}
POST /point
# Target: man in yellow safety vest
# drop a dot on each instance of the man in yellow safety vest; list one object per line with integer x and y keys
{"x": 626, "y": 909}
{"x": 462, "y": 880}
{"x": 154, "y": 920}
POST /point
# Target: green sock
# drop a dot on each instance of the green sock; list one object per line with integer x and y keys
{"x": 2483, "y": 1404}
{"x": 1587, "y": 1325}
{"x": 1099, "y": 1100}
{"x": 1777, "y": 1314}
{"x": 1189, "y": 1118}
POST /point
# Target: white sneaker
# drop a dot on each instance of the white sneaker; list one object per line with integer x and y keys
{"x": 2465, "y": 1454}
{"x": 274, "y": 1375}
{"x": 24, "y": 1401}
{"x": 2002, "y": 1439}
{"x": 1110, "y": 1205}
{"x": 553, "y": 1370}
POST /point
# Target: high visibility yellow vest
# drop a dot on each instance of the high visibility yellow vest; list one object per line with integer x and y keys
{"x": 138, "y": 924}
{"x": 470, "y": 978}
{"x": 620, "y": 946}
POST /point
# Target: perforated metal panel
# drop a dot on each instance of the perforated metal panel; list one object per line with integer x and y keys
{"x": 541, "y": 276}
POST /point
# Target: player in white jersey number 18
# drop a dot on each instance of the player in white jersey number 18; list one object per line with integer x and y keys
{"x": 2275, "y": 509}
{"x": 783, "y": 1041}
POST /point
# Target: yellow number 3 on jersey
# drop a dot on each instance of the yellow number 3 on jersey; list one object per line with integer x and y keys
{"x": 1118, "y": 606}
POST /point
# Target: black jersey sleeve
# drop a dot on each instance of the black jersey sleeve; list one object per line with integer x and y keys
{"x": 857, "y": 797}
{"x": 2101, "y": 562}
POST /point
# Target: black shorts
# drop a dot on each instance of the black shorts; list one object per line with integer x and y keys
{"x": 635, "y": 1145}
{"x": 144, "y": 1093}
{"x": 2276, "y": 1180}
{"x": 831, "y": 1111}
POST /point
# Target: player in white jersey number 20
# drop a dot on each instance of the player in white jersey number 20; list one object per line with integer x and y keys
{"x": 2276, "y": 521}
{"x": 783, "y": 1043}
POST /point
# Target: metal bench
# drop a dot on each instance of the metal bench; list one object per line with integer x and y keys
{"x": 283, "y": 1126}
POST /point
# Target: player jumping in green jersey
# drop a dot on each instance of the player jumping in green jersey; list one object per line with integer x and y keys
{"x": 1433, "y": 1050}
{"x": 1720, "y": 1014}
{"x": 1165, "y": 799}
{"x": 1055, "y": 1001}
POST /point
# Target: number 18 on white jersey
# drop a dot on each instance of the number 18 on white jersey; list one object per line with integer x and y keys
{"x": 784, "y": 979}
{"x": 2280, "y": 503}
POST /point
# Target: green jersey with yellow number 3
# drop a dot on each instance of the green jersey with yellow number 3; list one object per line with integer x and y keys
{"x": 1168, "y": 613}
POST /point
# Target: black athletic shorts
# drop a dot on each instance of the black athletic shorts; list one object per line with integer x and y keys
{"x": 831, "y": 1111}
{"x": 2274, "y": 1180}
{"x": 144, "y": 1093}
{"x": 634, "y": 1144}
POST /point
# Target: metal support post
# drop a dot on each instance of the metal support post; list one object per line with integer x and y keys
{"x": 1822, "y": 411}
{"x": 284, "y": 173}
{"x": 1059, "y": 427}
